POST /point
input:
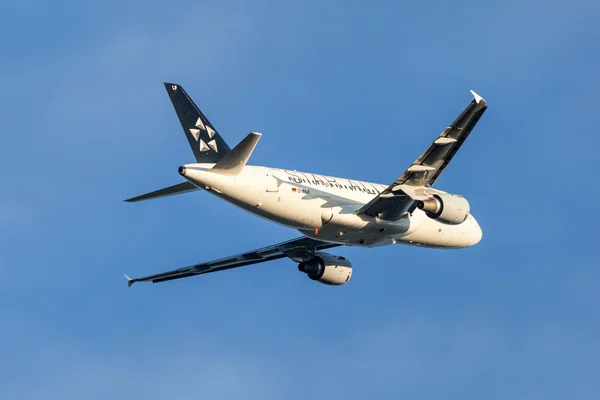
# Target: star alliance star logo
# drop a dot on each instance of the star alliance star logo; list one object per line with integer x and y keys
{"x": 211, "y": 133}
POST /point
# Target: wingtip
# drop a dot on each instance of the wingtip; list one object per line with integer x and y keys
{"x": 478, "y": 98}
{"x": 129, "y": 280}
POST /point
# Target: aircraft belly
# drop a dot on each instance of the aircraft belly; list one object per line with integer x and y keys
{"x": 274, "y": 206}
{"x": 350, "y": 229}
{"x": 294, "y": 212}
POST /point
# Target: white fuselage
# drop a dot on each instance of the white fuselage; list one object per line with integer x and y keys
{"x": 323, "y": 207}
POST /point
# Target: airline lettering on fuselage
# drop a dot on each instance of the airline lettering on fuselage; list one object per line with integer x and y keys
{"x": 327, "y": 181}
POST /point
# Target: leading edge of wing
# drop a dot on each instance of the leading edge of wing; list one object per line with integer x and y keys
{"x": 264, "y": 254}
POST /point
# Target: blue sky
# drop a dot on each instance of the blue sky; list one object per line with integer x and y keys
{"x": 343, "y": 88}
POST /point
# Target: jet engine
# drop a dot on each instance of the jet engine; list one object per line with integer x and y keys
{"x": 327, "y": 268}
{"x": 448, "y": 208}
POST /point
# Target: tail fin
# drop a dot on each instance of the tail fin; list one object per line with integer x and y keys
{"x": 206, "y": 143}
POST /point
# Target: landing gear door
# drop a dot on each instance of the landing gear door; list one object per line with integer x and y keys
{"x": 272, "y": 184}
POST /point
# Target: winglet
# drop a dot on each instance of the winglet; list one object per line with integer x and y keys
{"x": 478, "y": 98}
{"x": 129, "y": 280}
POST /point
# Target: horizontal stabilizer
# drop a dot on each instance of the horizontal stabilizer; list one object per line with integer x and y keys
{"x": 129, "y": 280}
{"x": 183, "y": 187}
{"x": 235, "y": 161}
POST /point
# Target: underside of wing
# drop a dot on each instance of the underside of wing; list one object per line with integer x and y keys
{"x": 299, "y": 248}
{"x": 389, "y": 206}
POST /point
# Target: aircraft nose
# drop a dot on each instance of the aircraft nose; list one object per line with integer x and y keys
{"x": 476, "y": 232}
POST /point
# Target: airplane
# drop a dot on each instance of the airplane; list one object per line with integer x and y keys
{"x": 328, "y": 211}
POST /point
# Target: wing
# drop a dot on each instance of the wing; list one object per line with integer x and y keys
{"x": 297, "y": 248}
{"x": 400, "y": 196}
{"x": 428, "y": 167}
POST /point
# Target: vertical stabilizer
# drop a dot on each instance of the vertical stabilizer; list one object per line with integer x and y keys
{"x": 206, "y": 143}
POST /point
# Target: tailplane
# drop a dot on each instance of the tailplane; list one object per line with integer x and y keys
{"x": 235, "y": 161}
{"x": 183, "y": 187}
{"x": 206, "y": 143}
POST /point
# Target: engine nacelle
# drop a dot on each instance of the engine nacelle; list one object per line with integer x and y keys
{"x": 327, "y": 268}
{"x": 448, "y": 208}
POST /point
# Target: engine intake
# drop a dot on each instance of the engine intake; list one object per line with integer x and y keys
{"x": 448, "y": 208}
{"x": 327, "y": 268}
